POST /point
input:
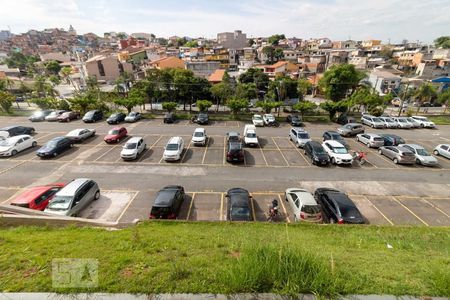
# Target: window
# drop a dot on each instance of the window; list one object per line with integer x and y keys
{"x": 444, "y": 147}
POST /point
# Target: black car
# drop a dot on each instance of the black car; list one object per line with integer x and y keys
{"x": 167, "y": 202}
{"x": 335, "y": 136}
{"x": 116, "y": 118}
{"x": 235, "y": 152}
{"x": 17, "y": 130}
{"x": 294, "y": 120}
{"x": 54, "y": 147}
{"x": 338, "y": 207}
{"x": 344, "y": 119}
{"x": 239, "y": 205}
{"x": 391, "y": 139}
{"x": 39, "y": 115}
{"x": 93, "y": 116}
{"x": 169, "y": 118}
{"x": 202, "y": 118}
{"x": 316, "y": 153}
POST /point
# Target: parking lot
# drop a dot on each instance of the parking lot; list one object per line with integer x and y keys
{"x": 128, "y": 188}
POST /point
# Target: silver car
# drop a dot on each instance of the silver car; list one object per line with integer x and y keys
{"x": 398, "y": 154}
{"x": 133, "y": 117}
{"x": 413, "y": 122}
{"x": 422, "y": 155}
{"x": 299, "y": 136}
{"x": 372, "y": 121}
{"x": 350, "y": 129}
{"x": 442, "y": 149}
{"x": 403, "y": 123}
{"x": 389, "y": 122}
{"x": 81, "y": 134}
{"x": 371, "y": 140}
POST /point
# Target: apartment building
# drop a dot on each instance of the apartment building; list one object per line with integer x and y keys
{"x": 107, "y": 68}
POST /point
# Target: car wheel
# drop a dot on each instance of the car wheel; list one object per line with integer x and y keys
{"x": 71, "y": 145}
{"x": 290, "y": 138}
{"x": 380, "y": 152}
{"x": 34, "y": 144}
{"x": 31, "y": 131}
{"x": 395, "y": 161}
{"x": 97, "y": 195}
{"x": 435, "y": 152}
{"x": 418, "y": 161}
{"x": 422, "y": 126}
{"x": 357, "y": 139}
{"x": 55, "y": 154}
{"x": 333, "y": 161}
{"x": 373, "y": 126}
{"x": 13, "y": 153}
{"x": 118, "y": 140}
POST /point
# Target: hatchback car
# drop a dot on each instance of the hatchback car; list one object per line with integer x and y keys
{"x": 39, "y": 116}
{"x": 399, "y": 155}
{"x": 174, "y": 149}
{"x": 257, "y": 120}
{"x": 391, "y": 139}
{"x": 303, "y": 205}
{"x": 93, "y": 116}
{"x": 53, "y": 116}
{"x": 168, "y": 202}
{"x": 11, "y": 131}
{"x": 133, "y": 148}
{"x": 389, "y": 122}
{"x": 115, "y": 135}
{"x": 54, "y": 147}
{"x": 338, "y": 207}
{"x": 372, "y": 121}
{"x": 350, "y": 129}
{"x": 294, "y": 120}
{"x": 268, "y": 118}
{"x": 424, "y": 122}
{"x": 74, "y": 197}
{"x": 337, "y": 152}
{"x": 81, "y": 134}
{"x": 68, "y": 116}
{"x": 299, "y": 137}
{"x": 403, "y": 123}
{"x": 13, "y": 145}
{"x": 116, "y": 118}
{"x": 316, "y": 153}
{"x": 37, "y": 197}
{"x": 199, "y": 137}
{"x": 239, "y": 205}
{"x": 133, "y": 117}
{"x": 371, "y": 140}
{"x": 443, "y": 150}
{"x": 335, "y": 136}
{"x": 234, "y": 151}
{"x": 233, "y": 136}
{"x": 169, "y": 118}
{"x": 422, "y": 156}
{"x": 202, "y": 118}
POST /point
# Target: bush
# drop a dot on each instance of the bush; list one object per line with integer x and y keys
{"x": 169, "y": 106}
{"x": 203, "y": 105}
{"x": 376, "y": 111}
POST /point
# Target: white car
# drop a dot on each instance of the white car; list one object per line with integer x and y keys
{"x": 423, "y": 122}
{"x": 303, "y": 204}
{"x": 389, "y": 122}
{"x": 173, "y": 149}
{"x": 413, "y": 122}
{"x": 337, "y": 152}
{"x": 81, "y": 134}
{"x": 422, "y": 156}
{"x": 442, "y": 149}
{"x": 250, "y": 137}
{"x": 257, "y": 120}
{"x": 403, "y": 123}
{"x": 132, "y": 148}
{"x": 13, "y": 145}
{"x": 268, "y": 118}
{"x": 371, "y": 140}
{"x": 199, "y": 137}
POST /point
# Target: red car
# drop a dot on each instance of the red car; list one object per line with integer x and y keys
{"x": 37, "y": 197}
{"x": 116, "y": 134}
{"x": 68, "y": 116}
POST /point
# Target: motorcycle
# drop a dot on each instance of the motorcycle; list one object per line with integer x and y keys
{"x": 273, "y": 211}
{"x": 360, "y": 157}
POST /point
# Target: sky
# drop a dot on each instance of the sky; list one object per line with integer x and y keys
{"x": 388, "y": 20}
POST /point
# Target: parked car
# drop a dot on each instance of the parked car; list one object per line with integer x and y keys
{"x": 424, "y": 122}
{"x": 174, "y": 149}
{"x": 68, "y": 116}
{"x": 316, "y": 153}
{"x": 115, "y": 135}
{"x": 345, "y": 119}
{"x": 168, "y": 202}
{"x": 257, "y": 120}
{"x": 116, "y": 118}
{"x": 403, "y": 123}
{"x": 13, "y": 145}
{"x": 169, "y": 118}
{"x": 81, "y": 134}
{"x": 202, "y": 118}
{"x": 372, "y": 121}
{"x": 133, "y": 117}
{"x": 422, "y": 156}
{"x": 443, "y": 150}
{"x": 413, "y": 122}
{"x": 199, "y": 137}
{"x": 399, "y": 155}
{"x": 391, "y": 139}
{"x": 299, "y": 137}
{"x": 335, "y": 136}
{"x": 350, "y": 129}
{"x": 93, "y": 116}
{"x": 74, "y": 197}
{"x": 294, "y": 120}
{"x": 371, "y": 140}
{"x": 304, "y": 206}
{"x": 54, "y": 147}
{"x": 268, "y": 118}
{"x": 234, "y": 151}
{"x": 389, "y": 122}
{"x": 337, "y": 152}
{"x": 250, "y": 137}
{"x": 239, "y": 205}
{"x": 133, "y": 148}
{"x": 233, "y": 136}
{"x": 11, "y": 131}
{"x": 53, "y": 116}
{"x": 39, "y": 115}
{"x": 338, "y": 207}
{"x": 37, "y": 197}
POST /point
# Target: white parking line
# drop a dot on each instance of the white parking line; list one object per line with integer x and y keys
{"x": 190, "y": 207}
{"x": 437, "y": 208}
{"x": 206, "y": 149}
{"x": 377, "y": 209}
{"x": 126, "y": 207}
{"x": 284, "y": 208}
{"x": 287, "y": 163}
{"x": 221, "y": 206}
{"x": 410, "y": 211}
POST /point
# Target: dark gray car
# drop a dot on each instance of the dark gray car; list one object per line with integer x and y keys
{"x": 350, "y": 129}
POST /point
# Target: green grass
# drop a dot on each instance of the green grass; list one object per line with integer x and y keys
{"x": 169, "y": 257}
{"x": 440, "y": 120}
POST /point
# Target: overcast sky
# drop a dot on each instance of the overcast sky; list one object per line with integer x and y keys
{"x": 337, "y": 19}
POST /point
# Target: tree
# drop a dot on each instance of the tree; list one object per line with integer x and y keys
{"x": 283, "y": 88}
{"x": 274, "y": 39}
{"x": 304, "y": 107}
{"x": 45, "y": 103}
{"x": 339, "y": 81}
{"x": 246, "y": 91}
{"x": 6, "y": 101}
{"x": 257, "y": 77}
{"x": 191, "y": 44}
{"x": 443, "y": 41}
{"x": 221, "y": 91}
{"x": 267, "y": 106}
{"x": 20, "y": 61}
{"x": 203, "y": 105}
{"x": 425, "y": 93}
{"x": 236, "y": 104}
{"x": 269, "y": 51}
{"x": 92, "y": 83}
{"x": 251, "y": 42}
{"x": 52, "y": 67}
{"x": 444, "y": 99}
{"x": 279, "y": 54}
{"x": 169, "y": 106}
{"x": 84, "y": 102}
{"x": 333, "y": 107}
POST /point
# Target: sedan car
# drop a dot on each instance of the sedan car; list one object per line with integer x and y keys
{"x": 303, "y": 205}
{"x": 13, "y": 145}
{"x": 268, "y": 118}
{"x": 389, "y": 122}
{"x": 316, "y": 153}
{"x": 202, "y": 118}
{"x": 133, "y": 117}
{"x": 233, "y": 136}
{"x": 93, "y": 116}
{"x": 132, "y": 148}
{"x": 257, "y": 120}
{"x": 294, "y": 120}
{"x": 391, "y": 139}
{"x": 169, "y": 118}
{"x": 40, "y": 115}
{"x": 116, "y": 118}
{"x": 54, "y": 147}
{"x": 338, "y": 153}
{"x": 68, "y": 116}
{"x": 239, "y": 205}
{"x": 81, "y": 134}
{"x": 371, "y": 140}
{"x": 11, "y": 131}
{"x": 424, "y": 122}
{"x": 335, "y": 136}
{"x": 399, "y": 155}
{"x": 199, "y": 137}
{"x": 116, "y": 134}
{"x": 37, "y": 197}
{"x": 403, "y": 123}
{"x": 234, "y": 152}
{"x": 168, "y": 202}
{"x": 338, "y": 207}
{"x": 350, "y": 129}
{"x": 422, "y": 156}
{"x": 443, "y": 150}
{"x": 53, "y": 116}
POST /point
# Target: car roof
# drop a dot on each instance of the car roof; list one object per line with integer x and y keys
{"x": 315, "y": 144}
{"x": 134, "y": 139}
{"x": 339, "y": 197}
{"x": 352, "y": 124}
{"x": 233, "y": 133}
{"x": 306, "y": 197}
{"x": 58, "y": 138}
{"x": 334, "y": 143}
{"x": 77, "y": 130}
{"x": 174, "y": 140}
{"x": 331, "y": 132}
{"x": 164, "y": 198}
{"x": 371, "y": 134}
{"x": 238, "y": 197}
{"x": 72, "y": 187}
{"x": 17, "y": 137}
{"x": 414, "y": 146}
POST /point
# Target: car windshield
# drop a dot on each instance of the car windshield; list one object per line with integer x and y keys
{"x": 130, "y": 146}
{"x": 335, "y": 136}
{"x": 401, "y": 120}
{"x": 241, "y": 212}
{"x": 198, "y": 134}
{"x": 113, "y": 115}
{"x": 5, "y": 143}
{"x": 113, "y": 131}
{"x": 132, "y": 114}
{"x": 319, "y": 150}
{"x": 53, "y": 114}
{"x": 51, "y": 144}
{"x": 89, "y": 114}
{"x": 60, "y": 203}
{"x": 270, "y": 117}
{"x": 235, "y": 146}
{"x": 303, "y": 136}
{"x": 422, "y": 152}
{"x": 251, "y": 134}
{"x": 311, "y": 209}
{"x": 172, "y": 147}
{"x": 410, "y": 120}
{"x": 340, "y": 150}
{"x": 377, "y": 120}
{"x": 202, "y": 116}
{"x": 257, "y": 118}
{"x": 389, "y": 120}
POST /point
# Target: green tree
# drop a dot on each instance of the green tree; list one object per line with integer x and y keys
{"x": 236, "y": 104}
{"x": 83, "y": 102}
{"x": 303, "y": 88}
{"x": 92, "y": 83}
{"x": 251, "y": 42}
{"x": 203, "y": 105}
{"x": 191, "y": 44}
{"x": 275, "y": 39}
{"x": 221, "y": 92}
{"x": 269, "y": 51}
{"x": 6, "y": 101}
{"x": 333, "y": 107}
{"x": 339, "y": 81}
{"x": 169, "y": 106}
{"x": 268, "y": 106}
{"x": 246, "y": 91}
{"x": 304, "y": 107}
{"x": 279, "y": 54}
{"x": 283, "y": 88}
{"x": 20, "y": 61}
{"x": 45, "y": 103}
{"x": 444, "y": 99}
{"x": 425, "y": 93}
{"x": 443, "y": 41}
{"x": 257, "y": 77}
{"x": 52, "y": 67}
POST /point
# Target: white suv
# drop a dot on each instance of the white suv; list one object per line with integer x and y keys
{"x": 423, "y": 122}
{"x": 174, "y": 149}
{"x": 337, "y": 152}
{"x": 199, "y": 137}
{"x": 299, "y": 136}
{"x": 268, "y": 118}
{"x": 132, "y": 148}
{"x": 257, "y": 120}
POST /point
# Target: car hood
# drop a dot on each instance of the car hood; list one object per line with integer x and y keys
{"x": 198, "y": 138}
{"x": 170, "y": 152}
{"x": 128, "y": 151}
{"x": 45, "y": 149}
{"x": 111, "y": 136}
{"x": 428, "y": 159}
{"x": 5, "y": 148}
{"x": 343, "y": 156}
{"x": 56, "y": 212}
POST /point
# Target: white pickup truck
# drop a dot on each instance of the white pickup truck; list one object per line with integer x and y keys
{"x": 250, "y": 137}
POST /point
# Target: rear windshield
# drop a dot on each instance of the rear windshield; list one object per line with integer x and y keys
{"x": 347, "y": 210}
{"x": 113, "y": 131}
{"x": 241, "y": 212}
{"x": 377, "y": 120}
{"x": 172, "y": 147}
{"x": 160, "y": 211}
{"x": 235, "y": 146}
{"x": 378, "y": 139}
{"x": 311, "y": 209}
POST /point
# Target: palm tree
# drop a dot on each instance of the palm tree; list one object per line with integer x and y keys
{"x": 425, "y": 92}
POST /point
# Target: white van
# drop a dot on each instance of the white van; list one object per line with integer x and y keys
{"x": 250, "y": 137}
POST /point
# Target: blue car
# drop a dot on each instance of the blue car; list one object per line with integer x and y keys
{"x": 54, "y": 147}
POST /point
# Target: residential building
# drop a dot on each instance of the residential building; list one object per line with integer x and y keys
{"x": 221, "y": 55}
{"x": 232, "y": 40}
{"x": 432, "y": 69}
{"x": 170, "y": 62}
{"x": 4, "y": 35}
{"x": 348, "y": 44}
{"x": 216, "y": 76}
{"x": 203, "y": 68}
{"x": 368, "y": 44}
{"x": 384, "y": 79}
{"x": 107, "y": 68}
{"x": 13, "y": 72}
{"x": 279, "y": 69}
{"x": 360, "y": 62}
{"x": 58, "y": 56}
